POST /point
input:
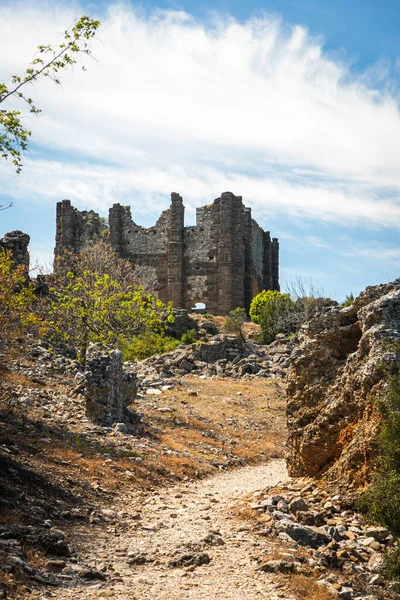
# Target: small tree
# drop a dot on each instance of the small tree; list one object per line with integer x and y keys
{"x": 98, "y": 258}
{"x": 96, "y": 308}
{"x": 101, "y": 258}
{"x": 234, "y": 320}
{"x": 13, "y": 134}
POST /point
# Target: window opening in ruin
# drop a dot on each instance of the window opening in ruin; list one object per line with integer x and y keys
{"x": 199, "y": 307}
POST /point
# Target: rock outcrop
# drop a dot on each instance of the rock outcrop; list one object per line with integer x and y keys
{"x": 336, "y": 374}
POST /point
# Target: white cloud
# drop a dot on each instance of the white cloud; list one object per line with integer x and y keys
{"x": 175, "y": 104}
{"x": 145, "y": 189}
{"x": 374, "y": 252}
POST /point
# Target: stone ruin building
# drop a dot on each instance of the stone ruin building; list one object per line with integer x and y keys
{"x": 223, "y": 261}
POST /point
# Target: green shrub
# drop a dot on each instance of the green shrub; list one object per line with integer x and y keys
{"x": 349, "y": 300}
{"x": 275, "y": 312}
{"x": 190, "y": 337}
{"x": 148, "y": 344}
{"x": 381, "y": 501}
{"x": 262, "y": 301}
{"x": 392, "y": 564}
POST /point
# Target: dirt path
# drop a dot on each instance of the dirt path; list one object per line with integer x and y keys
{"x": 170, "y": 525}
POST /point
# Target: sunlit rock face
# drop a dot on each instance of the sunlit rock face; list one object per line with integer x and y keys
{"x": 337, "y": 372}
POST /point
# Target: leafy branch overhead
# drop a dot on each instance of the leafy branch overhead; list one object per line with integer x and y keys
{"x": 14, "y": 136}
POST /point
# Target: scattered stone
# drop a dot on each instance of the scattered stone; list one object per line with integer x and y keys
{"x": 188, "y": 559}
{"x": 307, "y": 536}
{"x": 277, "y": 566}
{"x": 153, "y": 392}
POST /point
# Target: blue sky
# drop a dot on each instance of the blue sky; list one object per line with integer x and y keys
{"x": 292, "y": 104}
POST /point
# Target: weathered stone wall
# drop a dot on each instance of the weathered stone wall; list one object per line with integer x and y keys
{"x": 17, "y": 243}
{"x": 140, "y": 245}
{"x": 75, "y": 229}
{"x": 223, "y": 261}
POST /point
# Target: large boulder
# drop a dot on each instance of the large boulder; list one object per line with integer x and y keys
{"x": 336, "y": 373}
{"x": 183, "y": 323}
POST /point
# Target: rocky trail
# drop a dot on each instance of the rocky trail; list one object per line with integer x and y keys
{"x": 179, "y": 543}
{"x": 187, "y": 496}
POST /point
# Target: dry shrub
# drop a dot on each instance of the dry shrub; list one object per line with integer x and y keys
{"x": 306, "y": 588}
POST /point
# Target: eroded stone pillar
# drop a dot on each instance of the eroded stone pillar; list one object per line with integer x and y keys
{"x": 107, "y": 386}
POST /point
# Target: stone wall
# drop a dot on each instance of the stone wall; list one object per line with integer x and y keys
{"x": 222, "y": 261}
{"x": 75, "y": 229}
{"x": 17, "y": 243}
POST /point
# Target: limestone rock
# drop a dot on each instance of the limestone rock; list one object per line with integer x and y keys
{"x": 277, "y": 566}
{"x": 183, "y": 323}
{"x": 308, "y": 536}
{"x": 335, "y": 373}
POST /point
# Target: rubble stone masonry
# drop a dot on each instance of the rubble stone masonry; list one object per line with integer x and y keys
{"x": 223, "y": 261}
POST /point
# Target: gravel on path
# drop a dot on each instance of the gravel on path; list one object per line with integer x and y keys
{"x": 190, "y": 545}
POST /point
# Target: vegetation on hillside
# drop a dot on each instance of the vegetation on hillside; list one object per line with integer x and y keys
{"x": 18, "y": 304}
{"x": 382, "y": 499}
{"x": 285, "y": 313}
{"x": 94, "y": 307}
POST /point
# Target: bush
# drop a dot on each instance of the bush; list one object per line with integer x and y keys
{"x": 234, "y": 321}
{"x": 382, "y": 500}
{"x": 260, "y": 302}
{"x": 349, "y": 300}
{"x": 18, "y": 305}
{"x": 275, "y": 312}
{"x": 146, "y": 345}
{"x": 190, "y": 337}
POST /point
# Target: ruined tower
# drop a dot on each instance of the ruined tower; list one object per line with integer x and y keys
{"x": 17, "y": 244}
{"x": 223, "y": 261}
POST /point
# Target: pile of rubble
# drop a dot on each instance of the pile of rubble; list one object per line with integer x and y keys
{"x": 324, "y": 533}
{"x": 222, "y": 356}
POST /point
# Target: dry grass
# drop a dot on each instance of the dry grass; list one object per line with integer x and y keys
{"x": 306, "y": 588}
{"x": 228, "y": 422}
{"x": 217, "y": 428}
{"x": 251, "y": 517}
{"x": 17, "y": 379}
